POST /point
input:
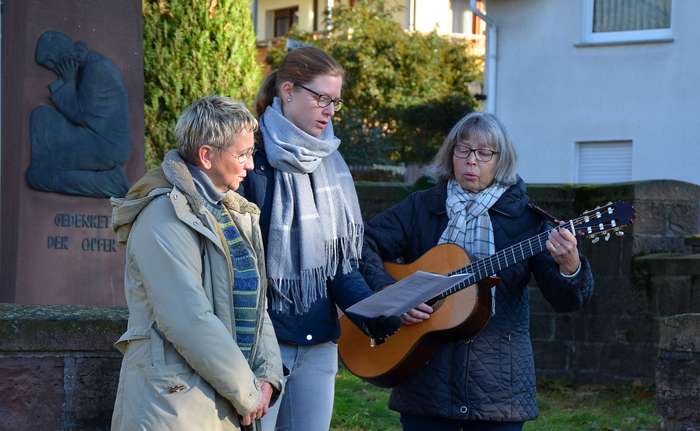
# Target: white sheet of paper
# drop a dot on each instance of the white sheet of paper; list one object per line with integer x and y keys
{"x": 406, "y": 294}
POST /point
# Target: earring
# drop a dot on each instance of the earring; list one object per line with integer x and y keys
{"x": 289, "y": 99}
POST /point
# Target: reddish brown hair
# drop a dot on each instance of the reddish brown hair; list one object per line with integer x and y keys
{"x": 299, "y": 66}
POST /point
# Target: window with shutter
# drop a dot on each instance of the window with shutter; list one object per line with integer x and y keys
{"x": 604, "y": 162}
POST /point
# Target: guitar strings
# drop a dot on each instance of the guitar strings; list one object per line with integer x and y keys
{"x": 480, "y": 265}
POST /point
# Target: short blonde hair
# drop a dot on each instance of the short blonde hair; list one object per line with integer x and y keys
{"x": 480, "y": 127}
{"x": 214, "y": 121}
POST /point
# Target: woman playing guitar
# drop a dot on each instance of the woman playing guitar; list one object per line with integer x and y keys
{"x": 484, "y": 382}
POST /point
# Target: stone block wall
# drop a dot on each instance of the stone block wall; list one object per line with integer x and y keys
{"x": 375, "y": 197}
{"x": 678, "y": 372}
{"x": 647, "y": 274}
{"x": 58, "y": 368}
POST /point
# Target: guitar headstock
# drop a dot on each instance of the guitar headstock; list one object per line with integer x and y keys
{"x": 603, "y": 221}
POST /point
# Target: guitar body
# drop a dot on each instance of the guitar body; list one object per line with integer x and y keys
{"x": 458, "y": 316}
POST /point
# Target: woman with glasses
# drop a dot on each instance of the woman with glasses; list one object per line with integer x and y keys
{"x": 486, "y": 382}
{"x": 312, "y": 228}
{"x": 200, "y": 351}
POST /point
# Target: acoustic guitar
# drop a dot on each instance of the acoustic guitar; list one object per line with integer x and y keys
{"x": 459, "y": 313}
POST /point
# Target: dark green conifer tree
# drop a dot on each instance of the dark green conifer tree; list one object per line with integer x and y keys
{"x": 193, "y": 48}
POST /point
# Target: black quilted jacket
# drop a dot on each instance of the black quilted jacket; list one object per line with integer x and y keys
{"x": 492, "y": 376}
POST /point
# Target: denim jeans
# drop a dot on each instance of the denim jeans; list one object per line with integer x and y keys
{"x": 307, "y": 401}
{"x": 422, "y": 423}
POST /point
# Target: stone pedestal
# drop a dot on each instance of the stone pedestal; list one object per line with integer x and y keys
{"x": 678, "y": 372}
{"x": 55, "y": 248}
{"x": 58, "y": 367}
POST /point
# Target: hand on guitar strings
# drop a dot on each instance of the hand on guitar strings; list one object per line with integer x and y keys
{"x": 416, "y": 315}
{"x": 562, "y": 246}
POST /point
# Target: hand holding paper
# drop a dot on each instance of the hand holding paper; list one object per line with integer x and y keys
{"x": 405, "y": 294}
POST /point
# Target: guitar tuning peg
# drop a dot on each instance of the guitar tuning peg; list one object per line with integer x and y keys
{"x": 609, "y": 203}
{"x": 619, "y": 233}
{"x": 595, "y": 239}
{"x": 607, "y": 236}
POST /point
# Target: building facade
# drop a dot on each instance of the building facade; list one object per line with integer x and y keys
{"x": 452, "y": 18}
{"x": 599, "y": 91}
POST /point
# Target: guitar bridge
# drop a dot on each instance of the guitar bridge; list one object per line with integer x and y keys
{"x": 375, "y": 343}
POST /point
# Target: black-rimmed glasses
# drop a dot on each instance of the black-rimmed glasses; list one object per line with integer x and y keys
{"x": 323, "y": 100}
{"x": 481, "y": 154}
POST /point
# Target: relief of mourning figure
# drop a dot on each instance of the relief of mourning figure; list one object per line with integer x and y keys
{"x": 80, "y": 146}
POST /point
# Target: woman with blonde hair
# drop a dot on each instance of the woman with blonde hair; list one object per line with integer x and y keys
{"x": 200, "y": 351}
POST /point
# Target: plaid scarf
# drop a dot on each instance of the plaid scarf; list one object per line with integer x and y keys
{"x": 245, "y": 280}
{"x": 469, "y": 225}
{"x": 315, "y": 220}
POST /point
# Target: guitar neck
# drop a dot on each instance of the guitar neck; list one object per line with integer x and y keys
{"x": 509, "y": 256}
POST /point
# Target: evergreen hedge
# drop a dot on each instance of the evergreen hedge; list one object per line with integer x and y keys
{"x": 403, "y": 91}
{"x": 193, "y": 48}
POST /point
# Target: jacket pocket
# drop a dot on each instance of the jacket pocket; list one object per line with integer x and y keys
{"x": 490, "y": 369}
{"x": 177, "y": 397}
{"x": 160, "y": 391}
{"x": 170, "y": 398}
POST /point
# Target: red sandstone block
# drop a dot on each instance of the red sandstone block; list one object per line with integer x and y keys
{"x": 31, "y": 394}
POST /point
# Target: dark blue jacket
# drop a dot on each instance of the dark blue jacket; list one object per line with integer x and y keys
{"x": 320, "y": 323}
{"x": 492, "y": 375}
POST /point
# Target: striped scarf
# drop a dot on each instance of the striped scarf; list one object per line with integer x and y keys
{"x": 245, "y": 280}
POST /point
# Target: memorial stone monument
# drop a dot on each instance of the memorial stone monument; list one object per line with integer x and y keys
{"x": 71, "y": 137}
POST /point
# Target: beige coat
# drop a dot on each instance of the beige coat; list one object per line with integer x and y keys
{"x": 182, "y": 369}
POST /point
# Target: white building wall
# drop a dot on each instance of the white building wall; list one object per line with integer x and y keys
{"x": 433, "y": 15}
{"x": 553, "y": 93}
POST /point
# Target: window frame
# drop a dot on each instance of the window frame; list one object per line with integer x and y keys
{"x": 590, "y": 143}
{"x": 290, "y": 12}
{"x": 589, "y": 37}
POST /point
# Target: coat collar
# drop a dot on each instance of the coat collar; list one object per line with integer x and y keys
{"x": 512, "y": 203}
{"x": 436, "y": 200}
{"x": 175, "y": 170}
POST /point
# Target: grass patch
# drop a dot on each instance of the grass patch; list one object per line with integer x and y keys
{"x": 595, "y": 407}
{"x": 360, "y": 406}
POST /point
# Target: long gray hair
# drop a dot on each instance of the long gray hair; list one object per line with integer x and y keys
{"x": 482, "y": 128}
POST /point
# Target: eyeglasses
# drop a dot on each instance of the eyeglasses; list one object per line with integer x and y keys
{"x": 323, "y": 100}
{"x": 242, "y": 158}
{"x": 481, "y": 154}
